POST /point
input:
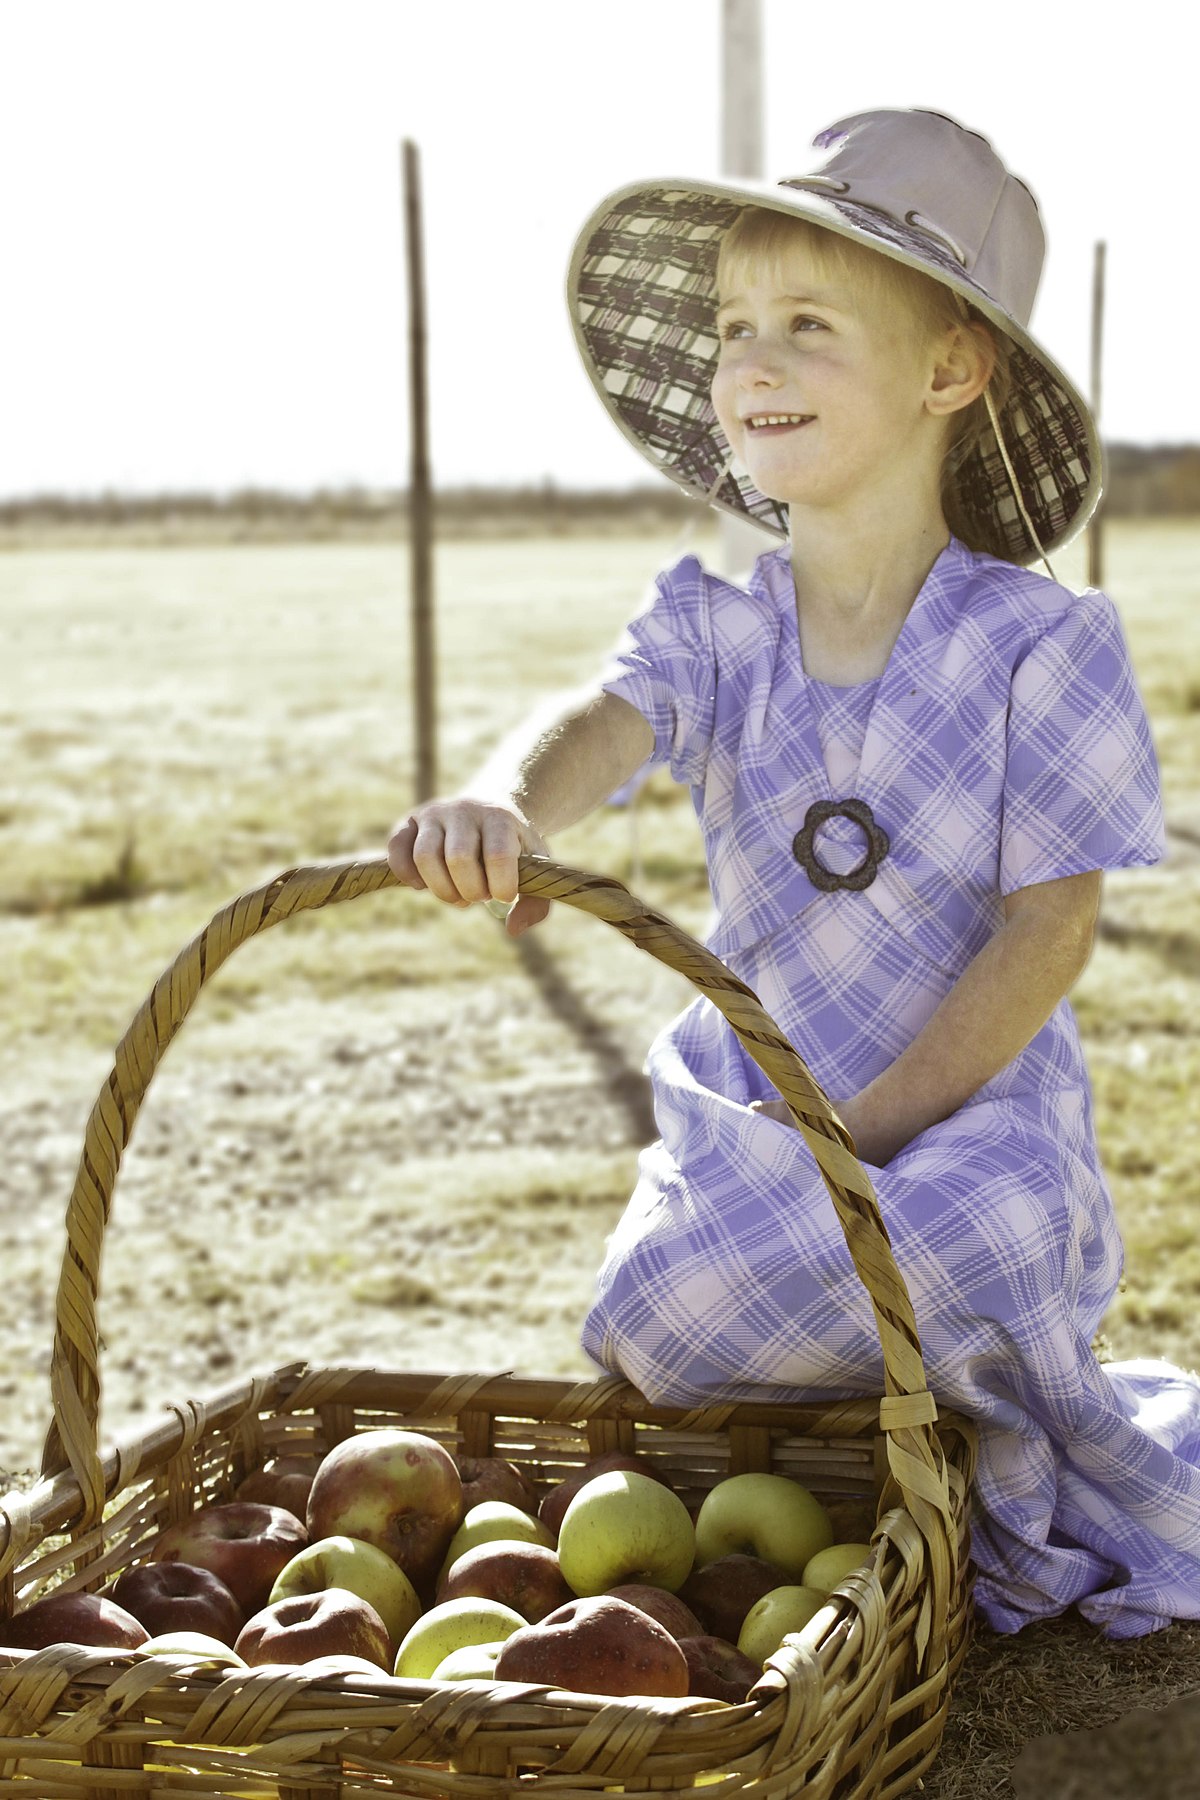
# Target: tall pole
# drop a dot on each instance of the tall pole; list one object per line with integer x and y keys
{"x": 1095, "y": 530}
{"x": 741, "y": 89}
{"x": 420, "y": 508}
{"x": 741, "y": 158}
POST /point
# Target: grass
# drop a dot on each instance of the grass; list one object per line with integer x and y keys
{"x": 389, "y": 1133}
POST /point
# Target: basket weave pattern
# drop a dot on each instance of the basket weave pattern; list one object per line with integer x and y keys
{"x": 852, "y": 1708}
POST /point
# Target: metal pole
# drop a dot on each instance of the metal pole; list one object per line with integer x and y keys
{"x": 1095, "y": 530}
{"x": 741, "y": 157}
{"x": 741, "y": 89}
{"x": 420, "y": 509}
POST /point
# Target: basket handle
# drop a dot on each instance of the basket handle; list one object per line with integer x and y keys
{"x": 906, "y": 1414}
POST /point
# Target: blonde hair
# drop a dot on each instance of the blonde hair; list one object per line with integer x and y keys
{"x": 762, "y": 239}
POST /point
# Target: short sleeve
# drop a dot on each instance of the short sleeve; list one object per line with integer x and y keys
{"x": 1081, "y": 785}
{"x": 665, "y": 665}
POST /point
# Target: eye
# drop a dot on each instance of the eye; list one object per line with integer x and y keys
{"x": 801, "y": 320}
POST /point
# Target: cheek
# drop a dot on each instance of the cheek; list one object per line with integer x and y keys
{"x": 722, "y": 394}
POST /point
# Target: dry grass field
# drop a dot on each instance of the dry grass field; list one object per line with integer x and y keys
{"x": 389, "y": 1133}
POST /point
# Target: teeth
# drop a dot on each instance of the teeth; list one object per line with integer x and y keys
{"x": 778, "y": 419}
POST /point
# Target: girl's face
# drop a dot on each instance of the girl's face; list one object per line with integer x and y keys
{"x": 811, "y": 342}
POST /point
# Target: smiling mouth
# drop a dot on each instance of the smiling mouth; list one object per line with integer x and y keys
{"x": 769, "y": 425}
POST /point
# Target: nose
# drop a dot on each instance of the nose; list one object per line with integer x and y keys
{"x": 759, "y": 366}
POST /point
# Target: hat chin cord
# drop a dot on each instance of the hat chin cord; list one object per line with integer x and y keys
{"x": 1013, "y": 482}
{"x": 722, "y": 473}
{"x": 1015, "y": 485}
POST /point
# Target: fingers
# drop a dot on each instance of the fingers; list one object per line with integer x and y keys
{"x": 400, "y": 854}
{"x": 500, "y": 844}
{"x": 465, "y": 852}
{"x": 529, "y": 910}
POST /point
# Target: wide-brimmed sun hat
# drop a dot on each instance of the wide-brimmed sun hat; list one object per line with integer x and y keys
{"x": 913, "y": 185}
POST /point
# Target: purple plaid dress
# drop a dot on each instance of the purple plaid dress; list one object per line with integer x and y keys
{"x": 1005, "y": 744}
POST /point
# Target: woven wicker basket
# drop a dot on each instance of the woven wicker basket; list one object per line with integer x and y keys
{"x": 851, "y": 1707}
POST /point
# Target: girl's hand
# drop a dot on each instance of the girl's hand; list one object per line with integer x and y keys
{"x": 466, "y": 850}
{"x": 873, "y": 1145}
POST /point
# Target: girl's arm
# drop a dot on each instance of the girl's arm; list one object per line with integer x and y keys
{"x": 553, "y": 770}
{"x": 998, "y": 1004}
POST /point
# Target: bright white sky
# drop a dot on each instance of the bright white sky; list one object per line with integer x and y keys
{"x": 204, "y": 284}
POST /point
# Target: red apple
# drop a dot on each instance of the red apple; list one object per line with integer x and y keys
{"x": 596, "y": 1646}
{"x": 672, "y": 1613}
{"x": 334, "y": 1622}
{"x": 73, "y": 1619}
{"x": 524, "y": 1576}
{"x": 399, "y": 1490}
{"x": 722, "y": 1593}
{"x": 176, "y": 1596}
{"x": 492, "y": 1478}
{"x": 243, "y": 1542}
{"x": 284, "y": 1482}
{"x": 718, "y": 1670}
{"x": 556, "y": 1502}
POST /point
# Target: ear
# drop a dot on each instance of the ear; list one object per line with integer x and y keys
{"x": 963, "y": 366}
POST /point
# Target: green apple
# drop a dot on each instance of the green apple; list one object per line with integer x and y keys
{"x": 495, "y": 1521}
{"x": 365, "y": 1569}
{"x": 192, "y": 1643}
{"x": 770, "y": 1516}
{"x": 453, "y": 1625}
{"x": 474, "y": 1662}
{"x": 343, "y": 1665}
{"x": 827, "y": 1567}
{"x": 623, "y": 1527}
{"x": 770, "y": 1619}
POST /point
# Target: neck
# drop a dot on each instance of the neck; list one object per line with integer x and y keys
{"x": 865, "y": 572}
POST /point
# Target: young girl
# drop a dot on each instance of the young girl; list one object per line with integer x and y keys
{"x": 911, "y": 757}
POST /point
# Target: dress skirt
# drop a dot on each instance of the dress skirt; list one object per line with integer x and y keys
{"x": 728, "y": 1277}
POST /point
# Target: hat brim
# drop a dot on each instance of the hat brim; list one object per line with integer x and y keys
{"x": 640, "y": 292}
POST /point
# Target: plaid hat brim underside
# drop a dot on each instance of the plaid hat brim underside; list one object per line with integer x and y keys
{"x": 642, "y": 288}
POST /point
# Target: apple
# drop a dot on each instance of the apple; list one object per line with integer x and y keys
{"x": 556, "y": 1502}
{"x": 625, "y": 1527}
{"x": 244, "y": 1542}
{"x": 770, "y": 1516}
{"x": 73, "y": 1618}
{"x": 722, "y": 1592}
{"x": 304, "y": 1627}
{"x": 491, "y": 1521}
{"x": 520, "y": 1575}
{"x": 474, "y": 1662}
{"x": 398, "y": 1490}
{"x": 365, "y": 1569}
{"x": 853, "y": 1518}
{"x": 177, "y": 1596}
{"x": 192, "y": 1643}
{"x": 451, "y": 1626}
{"x": 596, "y": 1645}
{"x": 770, "y": 1619}
{"x": 672, "y": 1613}
{"x": 824, "y": 1570}
{"x": 284, "y": 1482}
{"x": 524, "y": 1576}
{"x": 343, "y": 1665}
{"x": 492, "y": 1478}
{"x": 718, "y": 1670}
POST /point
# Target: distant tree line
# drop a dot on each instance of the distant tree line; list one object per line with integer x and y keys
{"x": 1155, "y": 481}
